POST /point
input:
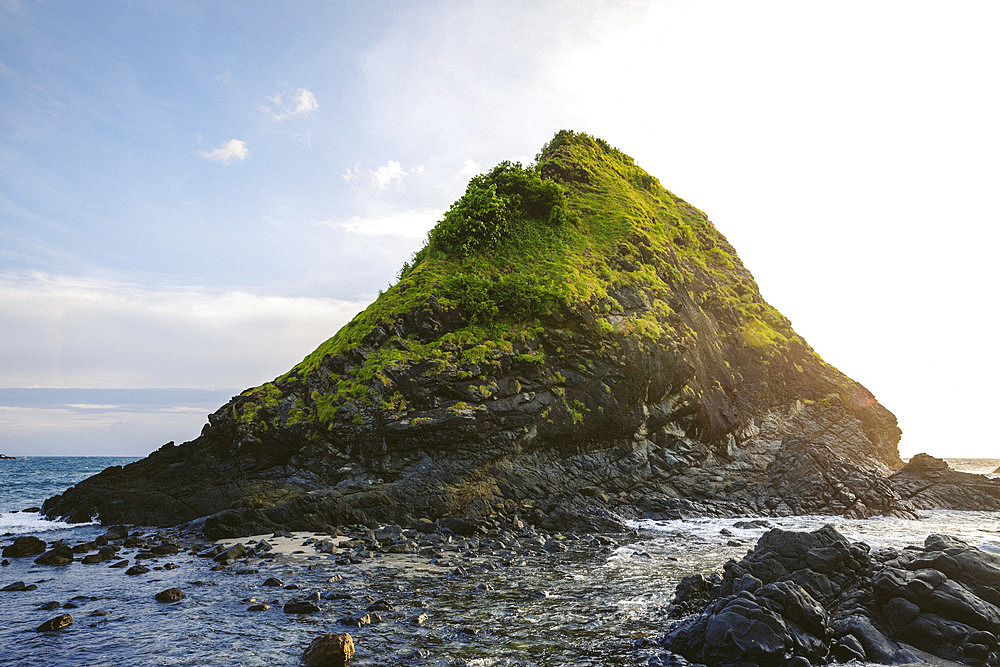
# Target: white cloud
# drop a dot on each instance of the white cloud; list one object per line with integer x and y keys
{"x": 68, "y": 332}
{"x": 469, "y": 169}
{"x": 298, "y": 103}
{"x": 234, "y": 149}
{"x": 391, "y": 174}
{"x": 408, "y": 224}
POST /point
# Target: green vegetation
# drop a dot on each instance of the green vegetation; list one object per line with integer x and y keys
{"x": 520, "y": 250}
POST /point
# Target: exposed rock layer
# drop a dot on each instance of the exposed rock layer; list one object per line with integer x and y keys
{"x": 819, "y": 597}
{"x": 660, "y": 382}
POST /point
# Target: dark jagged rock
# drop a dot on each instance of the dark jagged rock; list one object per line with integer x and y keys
{"x": 819, "y": 597}
{"x": 29, "y": 545}
{"x": 639, "y": 371}
{"x": 930, "y": 483}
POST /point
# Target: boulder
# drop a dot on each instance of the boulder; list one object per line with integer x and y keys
{"x": 28, "y": 545}
{"x": 170, "y": 595}
{"x": 329, "y": 650}
{"x": 60, "y": 554}
{"x": 301, "y": 607}
{"x": 19, "y": 586}
{"x": 53, "y": 624}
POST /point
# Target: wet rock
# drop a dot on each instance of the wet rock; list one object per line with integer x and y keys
{"x": 259, "y": 607}
{"x": 121, "y": 563}
{"x": 459, "y": 525}
{"x": 229, "y": 556}
{"x": 809, "y": 595}
{"x": 84, "y": 547}
{"x": 165, "y": 549}
{"x": 103, "y": 554}
{"x": 301, "y": 607}
{"x": 56, "y": 556}
{"x": 272, "y": 581}
{"x": 358, "y": 621}
{"x": 329, "y": 650}
{"x": 137, "y": 569}
{"x": 115, "y": 533}
{"x": 46, "y": 606}
{"x": 54, "y": 624}
{"x": 170, "y": 595}
{"x": 19, "y": 586}
{"x": 28, "y": 545}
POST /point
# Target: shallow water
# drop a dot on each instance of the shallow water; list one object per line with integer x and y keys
{"x": 591, "y": 605}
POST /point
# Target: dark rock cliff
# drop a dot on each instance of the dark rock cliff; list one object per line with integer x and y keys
{"x": 574, "y": 342}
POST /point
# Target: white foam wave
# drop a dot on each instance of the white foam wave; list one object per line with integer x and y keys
{"x": 977, "y": 528}
{"x": 22, "y": 523}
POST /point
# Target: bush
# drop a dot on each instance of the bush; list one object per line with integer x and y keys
{"x": 494, "y": 205}
{"x": 513, "y": 297}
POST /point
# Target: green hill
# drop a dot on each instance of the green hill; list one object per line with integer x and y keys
{"x": 572, "y": 336}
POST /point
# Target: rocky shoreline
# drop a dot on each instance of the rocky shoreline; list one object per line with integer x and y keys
{"x": 358, "y": 580}
{"x": 811, "y": 598}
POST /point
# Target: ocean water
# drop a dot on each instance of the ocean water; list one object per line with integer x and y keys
{"x": 590, "y": 605}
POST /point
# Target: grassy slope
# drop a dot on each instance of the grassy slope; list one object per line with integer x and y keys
{"x": 621, "y": 229}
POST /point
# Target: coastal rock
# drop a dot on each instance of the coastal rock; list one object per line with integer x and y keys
{"x": 229, "y": 556}
{"x": 29, "y": 545}
{"x": 54, "y": 624}
{"x": 170, "y": 595}
{"x": 19, "y": 586}
{"x": 643, "y": 371}
{"x": 930, "y": 483}
{"x": 329, "y": 650}
{"x": 103, "y": 554}
{"x": 301, "y": 607}
{"x": 817, "y": 596}
{"x": 60, "y": 554}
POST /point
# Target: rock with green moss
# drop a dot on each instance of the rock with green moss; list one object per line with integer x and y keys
{"x": 570, "y": 325}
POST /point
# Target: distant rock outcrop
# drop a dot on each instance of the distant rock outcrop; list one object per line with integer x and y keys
{"x": 817, "y": 597}
{"x": 930, "y": 483}
{"x": 574, "y": 342}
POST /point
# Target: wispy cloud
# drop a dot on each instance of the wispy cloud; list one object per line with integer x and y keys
{"x": 234, "y": 149}
{"x": 408, "y": 224}
{"x": 390, "y": 174}
{"x": 68, "y": 332}
{"x": 298, "y": 103}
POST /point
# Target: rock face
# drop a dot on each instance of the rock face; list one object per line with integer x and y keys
{"x": 819, "y": 597}
{"x": 929, "y": 483}
{"x": 573, "y": 335}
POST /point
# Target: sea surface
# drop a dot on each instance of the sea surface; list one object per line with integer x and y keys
{"x": 591, "y": 605}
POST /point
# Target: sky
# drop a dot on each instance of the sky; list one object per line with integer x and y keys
{"x": 194, "y": 195}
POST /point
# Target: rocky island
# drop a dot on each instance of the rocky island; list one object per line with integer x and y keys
{"x": 574, "y": 341}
